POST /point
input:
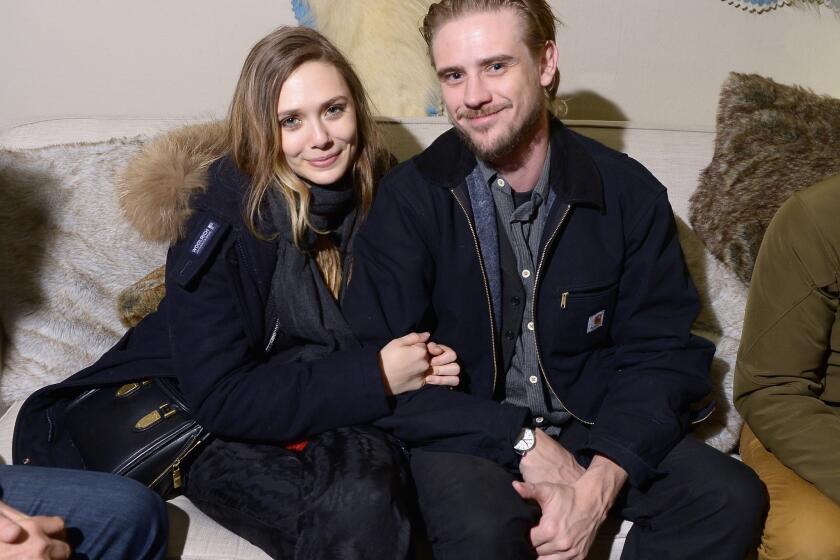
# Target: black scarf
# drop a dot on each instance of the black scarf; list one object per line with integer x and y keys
{"x": 300, "y": 303}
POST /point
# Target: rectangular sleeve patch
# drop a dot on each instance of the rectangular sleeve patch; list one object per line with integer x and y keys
{"x": 201, "y": 246}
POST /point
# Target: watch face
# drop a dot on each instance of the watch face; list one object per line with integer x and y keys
{"x": 526, "y": 440}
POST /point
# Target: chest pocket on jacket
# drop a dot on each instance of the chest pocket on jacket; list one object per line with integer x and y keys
{"x": 581, "y": 317}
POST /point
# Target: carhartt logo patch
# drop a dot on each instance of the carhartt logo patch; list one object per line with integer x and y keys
{"x": 595, "y": 321}
{"x": 206, "y": 236}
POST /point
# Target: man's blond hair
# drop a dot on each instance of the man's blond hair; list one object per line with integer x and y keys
{"x": 538, "y": 24}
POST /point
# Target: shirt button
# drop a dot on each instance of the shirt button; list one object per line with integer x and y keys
{"x": 515, "y": 300}
{"x": 509, "y": 335}
{"x": 526, "y": 273}
{"x": 533, "y": 379}
{"x": 500, "y": 183}
{"x": 539, "y": 419}
{"x": 530, "y": 325}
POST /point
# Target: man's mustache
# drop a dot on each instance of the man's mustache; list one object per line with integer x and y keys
{"x": 464, "y": 113}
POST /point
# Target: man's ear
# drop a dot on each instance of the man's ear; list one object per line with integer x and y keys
{"x": 548, "y": 63}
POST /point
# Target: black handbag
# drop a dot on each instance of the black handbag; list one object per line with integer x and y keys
{"x": 143, "y": 430}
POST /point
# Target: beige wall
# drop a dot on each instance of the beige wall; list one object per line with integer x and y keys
{"x": 655, "y": 62}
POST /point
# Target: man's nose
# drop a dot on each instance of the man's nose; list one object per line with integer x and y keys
{"x": 476, "y": 94}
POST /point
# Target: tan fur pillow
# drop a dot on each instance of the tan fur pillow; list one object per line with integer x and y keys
{"x": 142, "y": 297}
{"x": 772, "y": 140}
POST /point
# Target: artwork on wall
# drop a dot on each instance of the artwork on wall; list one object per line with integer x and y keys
{"x": 759, "y": 6}
{"x": 381, "y": 38}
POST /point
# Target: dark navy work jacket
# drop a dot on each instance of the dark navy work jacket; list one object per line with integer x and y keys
{"x": 609, "y": 258}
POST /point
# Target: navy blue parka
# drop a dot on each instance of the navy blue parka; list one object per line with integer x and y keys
{"x": 211, "y": 332}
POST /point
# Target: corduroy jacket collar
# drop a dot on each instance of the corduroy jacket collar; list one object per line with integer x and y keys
{"x": 574, "y": 176}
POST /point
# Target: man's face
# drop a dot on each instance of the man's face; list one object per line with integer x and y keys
{"x": 492, "y": 85}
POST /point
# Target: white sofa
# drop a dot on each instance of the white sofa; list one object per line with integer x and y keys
{"x": 87, "y": 255}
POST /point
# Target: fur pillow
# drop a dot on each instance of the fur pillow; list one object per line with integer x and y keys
{"x": 142, "y": 297}
{"x": 65, "y": 253}
{"x": 772, "y": 140}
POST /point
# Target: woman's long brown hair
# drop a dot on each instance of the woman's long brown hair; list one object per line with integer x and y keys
{"x": 255, "y": 140}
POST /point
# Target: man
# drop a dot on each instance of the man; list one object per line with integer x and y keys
{"x": 551, "y": 265}
{"x": 787, "y": 377}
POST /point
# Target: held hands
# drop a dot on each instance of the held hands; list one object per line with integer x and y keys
{"x": 25, "y": 537}
{"x": 410, "y": 362}
{"x": 572, "y": 513}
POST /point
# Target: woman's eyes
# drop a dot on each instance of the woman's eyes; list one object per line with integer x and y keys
{"x": 335, "y": 110}
{"x": 332, "y": 112}
{"x": 290, "y": 122}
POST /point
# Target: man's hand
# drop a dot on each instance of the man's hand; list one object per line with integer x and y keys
{"x": 549, "y": 461}
{"x": 36, "y": 538}
{"x": 572, "y": 513}
{"x": 443, "y": 363}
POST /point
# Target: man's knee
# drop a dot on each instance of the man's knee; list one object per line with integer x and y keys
{"x": 737, "y": 493}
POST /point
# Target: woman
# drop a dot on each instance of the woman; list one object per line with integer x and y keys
{"x": 251, "y": 324}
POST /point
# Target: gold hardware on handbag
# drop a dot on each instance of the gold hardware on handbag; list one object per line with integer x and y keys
{"x": 124, "y": 429}
{"x": 129, "y": 388}
{"x": 155, "y": 416}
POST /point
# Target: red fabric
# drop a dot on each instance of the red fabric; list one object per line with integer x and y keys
{"x": 297, "y": 446}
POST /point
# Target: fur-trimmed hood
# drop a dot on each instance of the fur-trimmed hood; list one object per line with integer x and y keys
{"x": 155, "y": 187}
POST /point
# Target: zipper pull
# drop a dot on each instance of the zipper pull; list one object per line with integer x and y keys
{"x": 176, "y": 474}
{"x": 563, "y": 297}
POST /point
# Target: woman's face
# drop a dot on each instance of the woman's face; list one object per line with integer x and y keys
{"x": 317, "y": 123}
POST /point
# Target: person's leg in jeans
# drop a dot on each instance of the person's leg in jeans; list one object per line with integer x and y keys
{"x": 106, "y": 516}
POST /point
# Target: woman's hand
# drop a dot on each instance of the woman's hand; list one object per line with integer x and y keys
{"x": 409, "y": 362}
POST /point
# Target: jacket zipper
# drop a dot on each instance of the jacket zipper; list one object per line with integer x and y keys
{"x": 486, "y": 288}
{"x": 273, "y": 336}
{"x": 534, "y": 314}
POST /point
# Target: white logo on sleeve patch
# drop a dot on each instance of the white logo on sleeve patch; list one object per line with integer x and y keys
{"x": 595, "y": 321}
{"x": 205, "y": 237}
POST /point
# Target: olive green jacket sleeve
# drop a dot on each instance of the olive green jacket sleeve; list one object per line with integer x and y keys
{"x": 787, "y": 378}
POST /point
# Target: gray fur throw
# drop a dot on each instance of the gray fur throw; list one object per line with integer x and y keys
{"x": 772, "y": 140}
{"x": 66, "y": 251}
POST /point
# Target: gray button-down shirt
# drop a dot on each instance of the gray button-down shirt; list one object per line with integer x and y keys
{"x": 524, "y": 384}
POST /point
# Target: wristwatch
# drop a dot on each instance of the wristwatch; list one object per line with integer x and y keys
{"x": 525, "y": 442}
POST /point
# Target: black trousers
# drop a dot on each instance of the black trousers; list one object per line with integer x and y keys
{"x": 708, "y": 506}
{"x": 342, "y": 497}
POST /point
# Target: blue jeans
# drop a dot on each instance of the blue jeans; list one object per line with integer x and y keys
{"x": 106, "y": 516}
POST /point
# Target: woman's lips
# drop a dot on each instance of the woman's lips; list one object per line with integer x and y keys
{"x": 325, "y": 161}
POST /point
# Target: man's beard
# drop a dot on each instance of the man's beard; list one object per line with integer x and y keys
{"x": 509, "y": 141}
